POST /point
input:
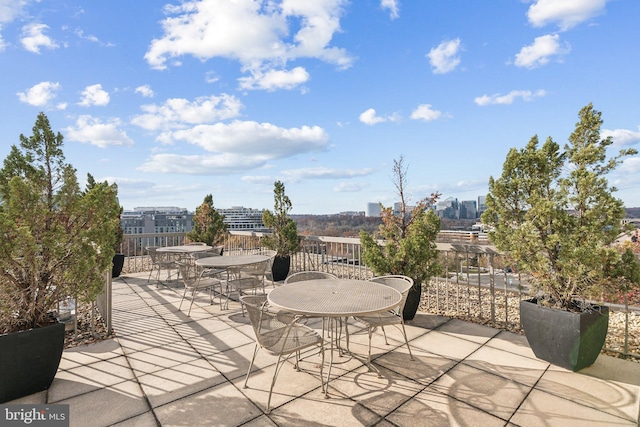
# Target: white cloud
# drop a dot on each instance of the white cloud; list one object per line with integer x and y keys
{"x": 566, "y": 13}
{"x": 145, "y": 91}
{"x": 256, "y": 34}
{"x": 542, "y": 49}
{"x": 33, "y": 38}
{"x": 392, "y": 5}
{"x": 94, "y": 95}
{"x": 40, "y": 94}
{"x": 80, "y": 33}
{"x": 622, "y": 137}
{"x": 424, "y": 112}
{"x": 258, "y": 179}
{"x": 11, "y": 9}
{"x": 525, "y": 95}
{"x": 179, "y": 112}
{"x": 90, "y": 130}
{"x": 444, "y": 57}
{"x": 274, "y": 79}
{"x": 369, "y": 117}
{"x": 251, "y": 138}
{"x": 211, "y": 77}
{"x": 349, "y": 187}
{"x": 236, "y": 147}
{"x": 630, "y": 166}
{"x": 296, "y": 175}
{"x": 214, "y": 164}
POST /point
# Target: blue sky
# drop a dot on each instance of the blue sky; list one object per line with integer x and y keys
{"x": 176, "y": 100}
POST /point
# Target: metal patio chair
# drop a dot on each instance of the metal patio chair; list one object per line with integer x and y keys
{"x": 309, "y": 275}
{"x": 279, "y": 334}
{"x": 194, "y": 281}
{"x": 160, "y": 261}
{"x": 401, "y": 284}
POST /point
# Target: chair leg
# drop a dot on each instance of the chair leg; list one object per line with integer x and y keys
{"x": 346, "y": 331}
{"x": 370, "y": 330}
{"x": 273, "y": 381}
{"x": 255, "y": 351}
{"x": 385, "y": 335}
{"x": 407, "y": 341}
{"x": 193, "y": 297}
{"x": 183, "y": 295}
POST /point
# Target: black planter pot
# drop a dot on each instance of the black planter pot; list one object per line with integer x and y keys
{"x": 413, "y": 301}
{"x": 280, "y": 267}
{"x": 29, "y": 360}
{"x": 566, "y": 339}
{"x": 118, "y": 263}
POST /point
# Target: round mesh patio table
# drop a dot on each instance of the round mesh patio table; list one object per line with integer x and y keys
{"x": 184, "y": 249}
{"x": 230, "y": 261}
{"x": 334, "y": 297}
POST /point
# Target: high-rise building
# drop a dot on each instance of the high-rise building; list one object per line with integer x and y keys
{"x": 448, "y": 208}
{"x": 239, "y": 218}
{"x": 373, "y": 209}
{"x": 482, "y": 205}
{"x": 468, "y": 209}
{"x": 168, "y": 219}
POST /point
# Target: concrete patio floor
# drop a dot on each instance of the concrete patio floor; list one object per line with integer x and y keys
{"x": 164, "y": 368}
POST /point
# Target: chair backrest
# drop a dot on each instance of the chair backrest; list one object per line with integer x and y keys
{"x": 400, "y": 283}
{"x": 195, "y": 244}
{"x": 257, "y": 269}
{"x": 204, "y": 254}
{"x": 218, "y": 250}
{"x": 152, "y": 252}
{"x": 188, "y": 273}
{"x": 268, "y": 325}
{"x": 309, "y": 275}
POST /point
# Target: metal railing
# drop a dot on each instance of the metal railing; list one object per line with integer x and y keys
{"x": 474, "y": 284}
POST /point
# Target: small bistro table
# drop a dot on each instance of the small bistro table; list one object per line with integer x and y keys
{"x": 185, "y": 249}
{"x": 229, "y": 263}
{"x": 334, "y": 299}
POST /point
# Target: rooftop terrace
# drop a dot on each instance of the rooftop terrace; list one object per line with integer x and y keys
{"x": 165, "y": 368}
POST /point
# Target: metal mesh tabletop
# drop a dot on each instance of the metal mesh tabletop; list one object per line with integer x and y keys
{"x": 185, "y": 249}
{"x": 230, "y": 261}
{"x": 334, "y": 298}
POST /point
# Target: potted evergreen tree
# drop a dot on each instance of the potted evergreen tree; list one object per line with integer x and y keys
{"x": 208, "y": 224}
{"x": 118, "y": 257}
{"x": 57, "y": 243}
{"x": 555, "y": 216}
{"x": 408, "y": 246}
{"x": 284, "y": 233}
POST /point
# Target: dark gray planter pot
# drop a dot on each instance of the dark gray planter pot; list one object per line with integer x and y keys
{"x": 413, "y": 302}
{"x": 118, "y": 263}
{"x": 566, "y": 339}
{"x": 29, "y": 360}
{"x": 280, "y": 267}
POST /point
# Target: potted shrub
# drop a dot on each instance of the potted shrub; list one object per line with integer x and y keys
{"x": 208, "y": 224}
{"x": 408, "y": 246}
{"x": 284, "y": 233}
{"x": 118, "y": 257}
{"x": 554, "y": 215}
{"x": 57, "y": 242}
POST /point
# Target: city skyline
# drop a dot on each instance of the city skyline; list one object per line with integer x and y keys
{"x": 176, "y": 100}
